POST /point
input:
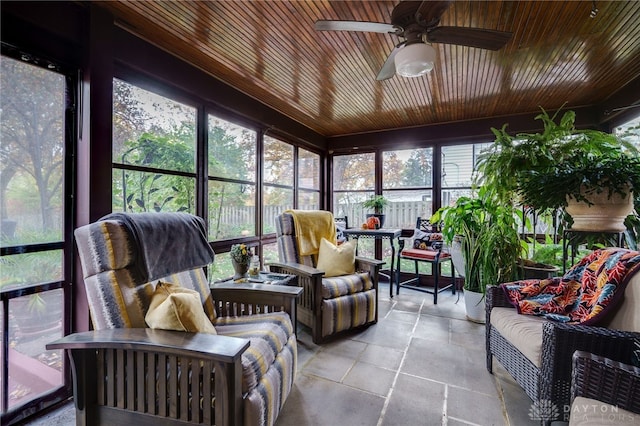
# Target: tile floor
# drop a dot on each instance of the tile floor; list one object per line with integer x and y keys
{"x": 422, "y": 364}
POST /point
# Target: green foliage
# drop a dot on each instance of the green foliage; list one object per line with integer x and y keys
{"x": 548, "y": 253}
{"x": 417, "y": 171}
{"x": 490, "y": 242}
{"x": 143, "y": 191}
{"x": 543, "y": 169}
{"x": 376, "y": 203}
{"x": 632, "y": 222}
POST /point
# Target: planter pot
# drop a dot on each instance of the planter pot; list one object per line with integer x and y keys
{"x": 240, "y": 269}
{"x": 604, "y": 214}
{"x": 379, "y": 216}
{"x": 538, "y": 271}
{"x": 474, "y": 304}
{"x": 456, "y": 255}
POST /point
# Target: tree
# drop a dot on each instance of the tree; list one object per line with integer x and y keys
{"x": 33, "y": 109}
{"x": 129, "y": 117}
{"x": 418, "y": 170}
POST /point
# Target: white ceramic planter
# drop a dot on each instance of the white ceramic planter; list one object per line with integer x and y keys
{"x": 605, "y": 214}
{"x": 456, "y": 255}
{"x": 474, "y": 304}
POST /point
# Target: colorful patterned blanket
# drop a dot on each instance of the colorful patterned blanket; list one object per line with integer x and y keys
{"x": 584, "y": 294}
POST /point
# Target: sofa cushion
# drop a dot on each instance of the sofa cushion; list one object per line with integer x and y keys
{"x": 268, "y": 334}
{"x": 345, "y": 284}
{"x": 591, "y": 412}
{"x": 522, "y": 331}
{"x": 626, "y": 316}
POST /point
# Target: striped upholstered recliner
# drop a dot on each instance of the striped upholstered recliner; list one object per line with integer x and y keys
{"x": 127, "y": 373}
{"x": 327, "y": 305}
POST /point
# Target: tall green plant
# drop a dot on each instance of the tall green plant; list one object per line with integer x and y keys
{"x": 490, "y": 242}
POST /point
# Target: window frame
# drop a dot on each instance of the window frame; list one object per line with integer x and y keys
{"x": 66, "y": 245}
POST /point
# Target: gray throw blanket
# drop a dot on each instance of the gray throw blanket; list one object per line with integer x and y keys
{"x": 167, "y": 243}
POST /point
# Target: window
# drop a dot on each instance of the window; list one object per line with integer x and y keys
{"x": 37, "y": 127}
{"x": 308, "y": 180}
{"x": 277, "y": 192}
{"x": 155, "y": 169}
{"x": 630, "y": 131}
{"x": 407, "y": 177}
{"x": 353, "y": 182}
{"x": 458, "y": 163}
{"x": 232, "y": 180}
{"x": 153, "y": 152}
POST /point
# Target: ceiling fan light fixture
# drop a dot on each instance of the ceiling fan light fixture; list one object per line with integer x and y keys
{"x": 415, "y": 60}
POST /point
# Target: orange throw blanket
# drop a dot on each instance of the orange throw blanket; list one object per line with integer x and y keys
{"x": 311, "y": 227}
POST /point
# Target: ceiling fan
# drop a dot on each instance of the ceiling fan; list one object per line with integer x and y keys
{"x": 417, "y": 22}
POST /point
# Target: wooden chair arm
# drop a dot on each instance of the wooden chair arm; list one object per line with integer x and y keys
{"x": 368, "y": 264}
{"x": 232, "y": 299}
{"x": 295, "y": 269}
{"x": 202, "y": 345}
{"x": 141, "y": 376}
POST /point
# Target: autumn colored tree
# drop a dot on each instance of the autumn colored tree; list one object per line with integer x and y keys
{"x": 32, "y": 125}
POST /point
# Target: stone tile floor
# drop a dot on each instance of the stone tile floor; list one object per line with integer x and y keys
{"x": 421, "y": 364}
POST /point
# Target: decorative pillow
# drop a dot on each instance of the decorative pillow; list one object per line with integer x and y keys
{"x": 177, "y": 308}
{"x": 427, "y": 240}
{"x": 337, "y": 260}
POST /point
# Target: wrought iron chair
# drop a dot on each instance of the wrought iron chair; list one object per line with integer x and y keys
{"x": 328, "y": 305}
{"x": 127, "y": 373}
{"x": 426, "y": 245}
{"x": 342, "y": 223}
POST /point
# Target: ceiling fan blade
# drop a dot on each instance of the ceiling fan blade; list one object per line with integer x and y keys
{"x": 472, "y": 37}
{"x": 432, "y": 10}
{"x": 388, "y": 70}
{"x": 373, "y": 27}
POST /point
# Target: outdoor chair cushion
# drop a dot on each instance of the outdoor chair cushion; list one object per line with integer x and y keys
{"x": 424, "y": 246}
{"x": 522, "y": 331}
{"x": 627, "y": 315}
{"x": 346, "y": 284}
{"x": 268, "y": 333}
{"x": 414, "y": 253}
{"x": 591, "y": 412}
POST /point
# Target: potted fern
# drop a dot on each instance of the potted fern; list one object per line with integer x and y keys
{"x": 581, "y": 171}
{"x": 376, "y": 203}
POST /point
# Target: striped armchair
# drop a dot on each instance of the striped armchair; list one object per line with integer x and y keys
{"x": 328, "y": 305}
{"x": 127, "y": 373}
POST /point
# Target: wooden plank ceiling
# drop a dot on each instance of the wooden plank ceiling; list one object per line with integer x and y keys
{"x": 326, "y": 80}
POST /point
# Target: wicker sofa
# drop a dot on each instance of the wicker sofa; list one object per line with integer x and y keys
{"x": 538, "y": 353}
{"x": 603, "y": 391}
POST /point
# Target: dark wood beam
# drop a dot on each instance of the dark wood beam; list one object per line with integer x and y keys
{"x": 450, "y": 133}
